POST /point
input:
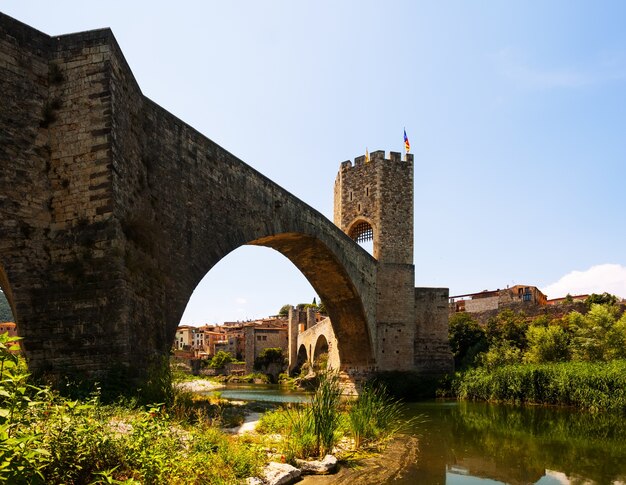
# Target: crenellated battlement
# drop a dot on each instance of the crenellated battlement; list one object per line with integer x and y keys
{"x": 377, "y": 156}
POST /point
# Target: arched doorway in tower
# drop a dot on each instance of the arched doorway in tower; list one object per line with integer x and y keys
{"x": 362, "y": 233}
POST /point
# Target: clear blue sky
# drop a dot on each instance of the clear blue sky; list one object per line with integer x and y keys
{"x": 516, "y": 113}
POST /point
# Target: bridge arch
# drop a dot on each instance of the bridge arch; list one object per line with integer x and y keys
{"x": 118, "y": 243}
{"x": 302, "y": 357}
{"x": 321, "y": 347}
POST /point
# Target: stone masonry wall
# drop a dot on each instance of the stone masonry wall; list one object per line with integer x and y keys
{"x": 482, "y": 304}
{"x": 432, "y": 351}
{"x": 112, "y": 210}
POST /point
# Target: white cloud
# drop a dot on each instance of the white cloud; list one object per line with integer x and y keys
{"x": 241, "y": 301}
{"x": 597, "y": 279}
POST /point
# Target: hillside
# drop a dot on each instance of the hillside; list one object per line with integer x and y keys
{"x": 5, "y": 310}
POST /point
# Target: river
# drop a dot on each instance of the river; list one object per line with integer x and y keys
{"x": 484, "y": 444}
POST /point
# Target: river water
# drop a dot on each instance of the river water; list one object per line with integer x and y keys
{"x": 484, "y": 444}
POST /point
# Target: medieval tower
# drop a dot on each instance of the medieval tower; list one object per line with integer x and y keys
{"x": 374, "y": 201}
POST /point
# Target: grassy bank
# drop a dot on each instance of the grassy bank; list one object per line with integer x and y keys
{"x": 588, "y": 385}
{"x": 46, "y": 438}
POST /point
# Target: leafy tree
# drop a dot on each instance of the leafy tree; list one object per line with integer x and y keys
{"x": 467, "y": 338}
{"x": 220, "y": 359}
{"x": 509, "y": 326}
{"x": 271, "y": 355}
{"x": 592, "y": 332}
{"x": 546, "y": 344}
{"x": 284, "y": 310}
{"x": 500, "y": 353}
{"x": 616, "y": 340}
{"x": 603, "y": 299}
{"x": 322, "y": 308}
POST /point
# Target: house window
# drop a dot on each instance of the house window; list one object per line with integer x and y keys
{"x": 527, "y": 297}
{"x": 258, "y": 337}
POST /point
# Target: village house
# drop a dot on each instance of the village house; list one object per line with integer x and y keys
{"x": 487, "y": 300}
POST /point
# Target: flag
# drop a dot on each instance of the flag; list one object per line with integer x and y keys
{"x": 367, "y": 155}
{"x": 407, "y": 145}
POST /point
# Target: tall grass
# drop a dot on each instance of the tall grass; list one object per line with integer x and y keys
{"x": 325, "y": 412}
{"x": 373, "y": 416}
{"x": 589, "y": 385}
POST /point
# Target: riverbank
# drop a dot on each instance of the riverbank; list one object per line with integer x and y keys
{"x": 390, "y": 465}
{"x": 595, "y": 386}
{"x": 199, "y": 385}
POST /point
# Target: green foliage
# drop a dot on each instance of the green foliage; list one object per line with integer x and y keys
{"x": 547, "y": 344}
{"x": 509, "y": 326}
{"x": 467, "y": 338}
{"x": 274, "y": 422}
{"x": 284, "y": 310}
{"x": 45, "y": 438}
{"x": 6, "y": 315}
{"x": 220, "y": 359}
{"x": 271, "y": 355}
{"x": 325, "y": 412}
{"x": 594, "y": 386}
{"x": 322, "y": 308}
{"x": 373, "y": 416}
{"x": 501, "y": 353}
{"x": 603, "y": 299}
{"x": 591, "y": 332}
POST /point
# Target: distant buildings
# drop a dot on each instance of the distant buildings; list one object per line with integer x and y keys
{"x": 518, "y": 295}
{"x": 243, "y": 340}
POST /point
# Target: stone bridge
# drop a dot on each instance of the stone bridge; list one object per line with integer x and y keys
{"x": 112, "y": 210}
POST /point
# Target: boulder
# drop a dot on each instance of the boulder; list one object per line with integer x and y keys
{"x": 316, "y": 467}
{"x": 280, "y": 473}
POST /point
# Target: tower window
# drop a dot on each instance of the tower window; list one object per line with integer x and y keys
{"x": 362, "y": 232}
{"x": 350, "y": 195}
{"x": 367, "y": 191}
{"x": 358, "y": 207}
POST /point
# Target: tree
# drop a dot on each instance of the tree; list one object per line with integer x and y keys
{"x": 284, "y": 310}
{"x": 603, "y": 299}
{"x": 220, "y": 359}
{"x": 546, "y": 344}
{"x": 616, "y": 339}
{"x": 592, "y": 332}
{"x": 500, "y": 353}
{"x": 467, "y": 338}
{"x": 509, "y": 326}
{"x": 270, "y": 355}
{"x": 322, "y": 308}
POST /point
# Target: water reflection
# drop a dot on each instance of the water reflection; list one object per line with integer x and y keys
{"x": 476, "y": 443}
{"x": 261, "y": 392}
